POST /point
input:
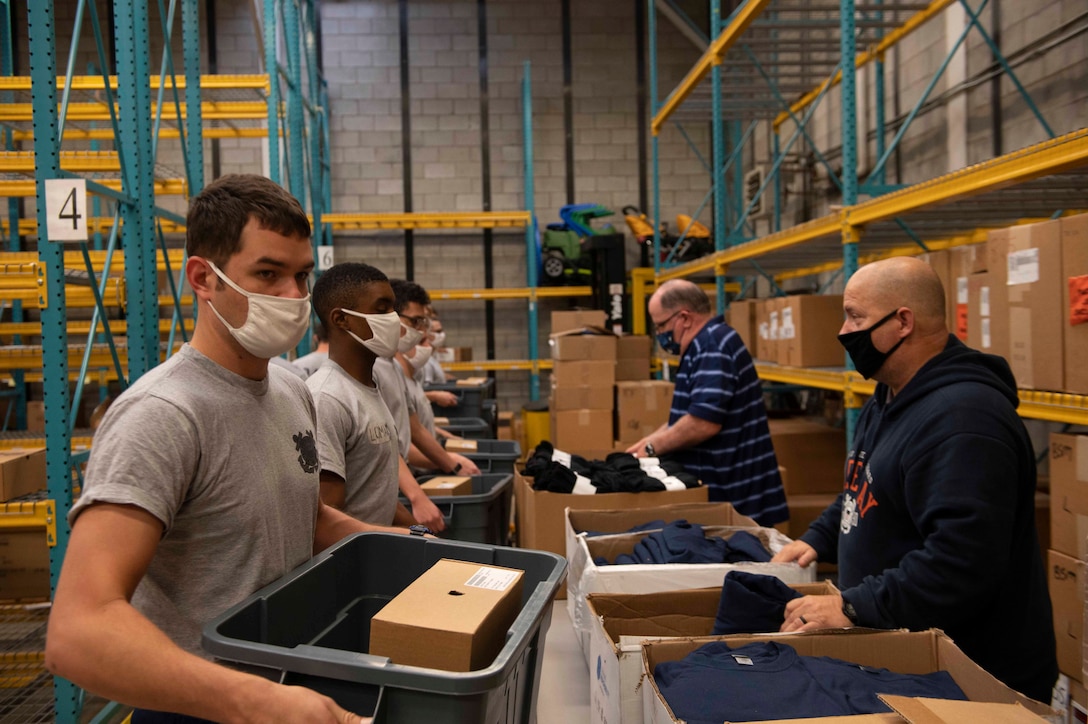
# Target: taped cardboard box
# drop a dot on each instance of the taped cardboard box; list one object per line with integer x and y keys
{"x": 541, "y": 513}
{"x": 583, "y": 343}
{"x": 586, "y": 373}
{"x": 1069, "y": 494}
{"x": 444, "y": 485}
{"x": 1066, "y": 581}
{"x": 641, "y": 408}
{"x": 574, "y": 319}
{"x": 633, "y": 357}
{"x": 808, "y": 331}
{"x": 813, "y": 453}
{"x": 453, "y": 617}
{"x": 580, "y": 397}
{"x": 22, "y": 471}
{"x": 917, "y": 652}
{"x": 578, "y": 430}
{"x": 743, "y": 318}
{"x": 1034, "y": 274}
{"x": 965, "y": 262}
{"x": 584, "y": 576}
{"x": 1074, "y": 310}
{"x": 621, "y": 621}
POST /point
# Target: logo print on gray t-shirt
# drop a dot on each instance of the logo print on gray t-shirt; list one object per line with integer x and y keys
{"x": 307, "y": 451}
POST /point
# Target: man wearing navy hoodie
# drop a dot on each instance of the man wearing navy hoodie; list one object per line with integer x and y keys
{"x": 935, "y": 527}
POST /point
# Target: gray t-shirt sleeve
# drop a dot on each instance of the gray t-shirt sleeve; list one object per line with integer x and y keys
{"x": 145, "y": 455}
{"x": 335, "y": 426}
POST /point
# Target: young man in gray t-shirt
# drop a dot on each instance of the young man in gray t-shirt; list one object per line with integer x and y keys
{"x": 357, "y": 437}
{"x": 203, "y": 482}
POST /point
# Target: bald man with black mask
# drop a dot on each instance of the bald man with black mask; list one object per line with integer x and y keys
{"x": 935, "y": 527}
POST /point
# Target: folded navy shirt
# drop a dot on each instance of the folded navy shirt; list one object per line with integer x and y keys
{"x": 769, "y": 680}
{"x": 751, "y": 603}
{"x": 683, "y": 542}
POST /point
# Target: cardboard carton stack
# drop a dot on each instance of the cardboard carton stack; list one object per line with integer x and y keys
{"x": 633, "y": 358}
{"x": 583, "y": 376}
{"x": 641, "y": 408}
{"x": 1068, "y": 544}
{"x": 24, "y": 552}
{"x": 799, "y": 330}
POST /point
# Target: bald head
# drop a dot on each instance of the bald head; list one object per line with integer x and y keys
{"x": 682, "y": 294}
{"x": 902, "y": 281}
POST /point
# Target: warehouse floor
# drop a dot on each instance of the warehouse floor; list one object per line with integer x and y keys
{"x": 564, "y": 679}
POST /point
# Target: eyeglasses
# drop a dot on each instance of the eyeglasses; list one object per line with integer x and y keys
{"x": 662, "y": 323}
{"x": 421, "y": 323}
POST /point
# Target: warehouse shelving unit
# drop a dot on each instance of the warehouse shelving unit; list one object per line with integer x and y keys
{"x": 957, "y": 208}
{"x": 286, "y": 104}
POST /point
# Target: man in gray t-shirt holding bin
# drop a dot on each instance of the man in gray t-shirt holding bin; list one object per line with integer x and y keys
{"x": 202, "y": 485}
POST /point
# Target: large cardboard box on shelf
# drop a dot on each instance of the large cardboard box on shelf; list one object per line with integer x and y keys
{"x": 763, "y": 345}
{"x": 742, "y": 317}
{"x": 24, "y": 564}
{"x": 808, "y": 331}
{"x": 1066, "y": 580}
{"x": 585, "y": 575}
{"x": 582, "y": 397}
{"x": 915, "y": 652}
{"x": 621, "y": 621}
{"x": 595, "y": 373}
{"x": 778, "y": 343}
{"x": 998, "y": 268}
{"x": 641, "y": 408}
{"x": 576, "y": 431}
{"x": 633, "y": 357}
{"x": 574, "y": 319}
{"x": 813, "y": 453}
{"x": 454, "y": 617}
{"x": 964, "y": 261}
{"x": 1032, "y": 257}
{"x": 1074, "y": 311}
{"x": 582, "y": 344}
{"x": 1069, "y": 494}
{"x": 941, "y": 263}
{"x": 979, "y": 313}
{"x": 35, "y": 416}
{"x": 541, "y": 514}
{"x": 453, "y": 354}
{"x": 22, "y": 471}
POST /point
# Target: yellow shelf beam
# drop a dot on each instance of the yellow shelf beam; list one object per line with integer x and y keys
{"x": 713, "y": 56}
{"x": 10, "y": 443}
{"x": 1058, "y": 155}
{"x": 866, "y": 57}
{"x": 36, "y": 515}
{"x": 253, "y": 81}
{"x": 74, "y": 259}
{"x": 162, "y": 187}
{"x": 510, "y": 293}
{"x": 107, "y": 134}
{"x": 74, "y": 161}
{"x": 425, "y": 220}
{"x": 117, "y": 327}
{"x": 84, "y": 112}
{"x": 825, "y": 226}
{"x": 498, "y": 365}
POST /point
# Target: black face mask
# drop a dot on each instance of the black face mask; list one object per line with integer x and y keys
{"x": 859, "y": 345}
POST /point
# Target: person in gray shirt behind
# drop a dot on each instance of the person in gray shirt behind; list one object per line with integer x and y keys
{"x": 202, "y": 485}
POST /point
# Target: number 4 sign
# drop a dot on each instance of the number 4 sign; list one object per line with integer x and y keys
{"x": 66, "y": 209}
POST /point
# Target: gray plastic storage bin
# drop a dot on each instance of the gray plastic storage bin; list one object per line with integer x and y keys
{"x": 312, "y": 628}
{"x": 495, "y": 456}
{"x": 483, "y": 516}
{"x": 472, "y": 428}
{"x": 470, "y": 398}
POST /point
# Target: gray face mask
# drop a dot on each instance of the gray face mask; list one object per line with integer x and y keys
{"x": 384, "y": 329}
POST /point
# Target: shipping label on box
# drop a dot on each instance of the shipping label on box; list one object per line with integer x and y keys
{"x": 641, "y": 408}
{"x": 1066, "y": 581}
{"x": 454, "y": 617}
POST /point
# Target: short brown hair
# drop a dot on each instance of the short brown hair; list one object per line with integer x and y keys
{"x": 217, "y": 215}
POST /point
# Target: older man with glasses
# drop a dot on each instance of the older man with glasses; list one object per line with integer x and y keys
{"x": 717, "y": 426}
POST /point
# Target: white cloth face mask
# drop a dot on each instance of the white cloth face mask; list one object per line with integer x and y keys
{"x": 384, "y": 329}
{"x": 421, "y": 356}
{"x": 411, "y": 338}
{"x": 439, "y": 339}
{"x": 273, "y": 324}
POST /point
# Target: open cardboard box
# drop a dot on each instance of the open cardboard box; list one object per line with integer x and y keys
{"x": 584, "y": 576}
{"x": 619, "y": 622}
{"x": 907, "y": 652}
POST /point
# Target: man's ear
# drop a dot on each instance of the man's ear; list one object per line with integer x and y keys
{"x": 200, "y": 277}
{"x": 905, "y": 317}
{"x": 337, "y": 319}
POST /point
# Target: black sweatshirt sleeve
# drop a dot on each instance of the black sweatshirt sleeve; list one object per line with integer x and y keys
{"x": 823, "y": 534}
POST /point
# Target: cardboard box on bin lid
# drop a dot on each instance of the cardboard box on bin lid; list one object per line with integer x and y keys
{"x": 453, "y": 617}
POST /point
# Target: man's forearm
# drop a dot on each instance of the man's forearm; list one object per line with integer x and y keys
{"x": 334, "y": 525}
{"x": 687, "y": 432}
{"x": 430, "y": 447}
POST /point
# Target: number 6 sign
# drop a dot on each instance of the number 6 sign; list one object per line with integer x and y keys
{"x": 66, "y": 209}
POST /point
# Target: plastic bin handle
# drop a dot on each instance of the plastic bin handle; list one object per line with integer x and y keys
{"x": 447, "y": 515}
{"x": 320, "y": 653}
